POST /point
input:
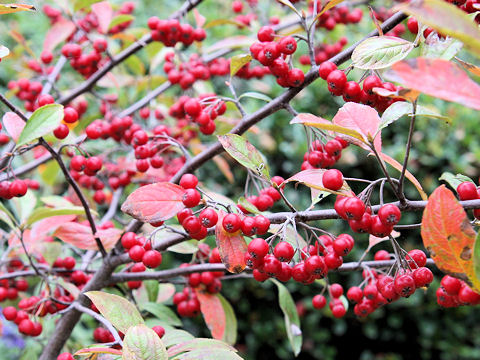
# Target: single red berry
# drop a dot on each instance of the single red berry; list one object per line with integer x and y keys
{"x": 371, "y": 82}
{"x": 191, "y": 198}
{"x": 389, "y": 214}
{"x": 295, "y": 77}
{"x": 94, "y": 163}
{"x": 381, "y": 255}
{"x": 262, "y": 224}
{"x": 284, "y": 251}
{"x": 159, "y": 330}
{"x": 70, "y": 115}
{"x": 423, "y": 276}
{"x": 467, "y": 191}
{"x": 258, "y": 248}
{"x": 332, "y": 179}
{"x": 315, "y": 265}
{"x": 404, "y": 285}
{"x": 10, "y": 313}
{"x": 412, "y": 25}
{"x": 355, "y": 294}
{"x": 418, "y": 256}
{"x": 188, "y": 181}
{"x": 208, "y": 217}
{"x": 231, "y": 223}
{"x": 288, "y": 45}
{"x": 451, "y": 285}
{"x": 69, "y": 263}
{"x": 319, "y": 301}
{"x": 65, "y": 356}
{"x": 183, "y": 214}
{"x": 379, "y": 229}
{"x": 237, "y": 6}
{"x": 78, "y": 163}
{"x": 152, "y": 259}
{"x": 25, "y": 327}
{"x": 129, "y": 240}
{"x": 336, "y": 82}
{"x": 192, "y": 224}
{"x": 18, "y": 188}
{"x": 61, "y": 132}
{"x": 271, "y": 265}
{"x": 336, "y": 290}
{"x": 136, "y": 253}
{"x": 265, "y": 34}
{"x": 326, "y": 68}
{"x": 339, "y": 311}
{"x": 354, "y": 208}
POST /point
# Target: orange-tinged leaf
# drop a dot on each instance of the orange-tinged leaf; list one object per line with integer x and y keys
{"x": 448, "y": 235}
{"x": 58, "y": 33}
{"x": 232, "y": 247}
{"x": 437, "y": 77}
{"x": 154, "y": 202}
{"x": 104, "y": 12}
{"x": 391, "y": 161}
{"x": 328, "y": 6}
{"x": 12, "y": 8}
{"x": 13, "y": 125}
{"x": 212, "y": 311}
{"x": 362, "y": 119}
{"x": 313, "y": 179}
{"x": 97, "y": 350}
{"x": 403, "y": 93}
{"x": 81, "y": 236}
{"x": 447, "y": 19}
{"x": 224, "y": 168}
{"x": 475, "y": 70}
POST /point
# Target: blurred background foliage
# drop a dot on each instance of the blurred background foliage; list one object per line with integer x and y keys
{"x": 414, "y": 328}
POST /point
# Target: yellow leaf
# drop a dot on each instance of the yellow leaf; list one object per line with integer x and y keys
{"x": 12, "y": 8}
{"x": 239, "y": 61}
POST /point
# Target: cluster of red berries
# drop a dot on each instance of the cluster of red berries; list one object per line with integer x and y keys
{"x": 27, "y": 91}
{"x": 186, "y": 73}
{"x": 266, "y": 198}
{"x": 361, "y": 220}
{"x": 454, "y": 292}
{"x": 337, "y": 15}
{"x": 202, "y": 111}
{"x": 382, "y": 289}
{"x": 21, "y": 318}
{"x": 336, "y": 305}
{"x": 9, "y": 289}
{"x": 339, "y": 85}
{"x": 171, "y": 32}
{"x": 323, "y": 155}
{"x": 316, "y": 260}
{"x": 324, "y": 52}
{"x": 86, "y": 63}
{"x": 467, "y": 190}
{"x": 17, "y": 188}
{"x": 90, "y": 167}
{"x": 140, "y": 250}
{"x": 273, "y": 54}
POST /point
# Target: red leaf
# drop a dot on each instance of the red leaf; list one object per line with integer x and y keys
{"x": 81, "y": 236}
{"x": 439, "y": 78}
{"x": 232, "y": 247}
{"x": 104, "y": 12}
{"x": 213, "y": 313}
{"x": 361, "y": 118}
{"x": 58, "y": 33}
{"x": 155, "y": 202}
{"x": 13, "y": 125}
{"x": 448, "y": 235}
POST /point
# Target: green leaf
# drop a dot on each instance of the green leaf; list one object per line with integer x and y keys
{"x": 142, "y": 343}
{"x": 135, "y": 65}
{"x": 55, "y": 201}
{"x": 245, "y": 153}
{"x": 51, "y": 251}
{"x": 4, "y": 51}
{"x": 49, "y": 173}
{"x": 379, "y": 52}
{"x": 292, "y": 321}
{"x": 24, "y": 205}
{"x": 454, "y": 180}
{"x": 81, "y": 4}
{"x": 247, "y": 205}
{"x": 120, "y": 19}
{"x": 289, "y": 235}
{"x": 42, "y": 213}
{"x": 119, "y": 311}
{"x": 255, "y": 95}
{"x": 476, "y": 257}
{"x": 6, "y": 216}
{"x": 441, "y": 48}
{"x": 230, "y": 334}
{"x": 200, "y": 348}
{"x": 401, "y": 108}
{"x": 185, "y": 247}
{"x": 162, "y": 312}
{"x": 239, "y": 61}
{"x": 176, "y": 336}
{"x": 151, "y": 286}
{"x": 43, "y": 121}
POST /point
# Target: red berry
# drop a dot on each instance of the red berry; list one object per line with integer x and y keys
{"x": 288, "y": 45}
{"x": 65, "y": 356}
{"x": 188, "y": 181}
{"x": 355, "y": 294}
{"x": 265, "y": 34}
{"x": 10, "y": 313}
{"x": 451, "y": 285}
{"x": 467, "y": 191}
{"x": 191, "y": 198}
{"x": 389, "y": 214}
{"x": 381, "y": 255}
{"x": 262, "y": 224}
{"x": 69, "y": 263}
{"x": 237, "y": 6}
{"x": 419, "y": 258}
{"x": 183, "y": 214}
{"x": 231, "y": 223}
{"x": 160, "y": 331}
{"x": 423, "y": 276}
{"x": 70, "y": 115}
{"x": 339, "y": 311}
{"x": 94, "y": 163}
{"x": 78, "y": 163}
{"x": 379, "y": 229}
{"x": 284, "y": 251}
{"x": 336, "y": 82}
{"x": 336, "y": 290}
{"x": 61, "y": 132}
{"x": 258, "y": 248}
{"x": 332, "y": 179}
{"x": 129, "y": 240}
{"x": 371, "y": 82}
{"x": 208, "y": 217}
{"x": 18, "y": 188}
{"x": 319, "y": 301}
{"x": 136, "y": 253}
{"x": 404, "y": 285}
{"x": 316, "y": 266}
{"x": 326, "y": 68}
{"x": 192, "y": 224}
{"x": 152, "y": 259}
{"x": 25, "y": 327}
{"x": 295, "y": 77}
{"x": 354, "y": 208}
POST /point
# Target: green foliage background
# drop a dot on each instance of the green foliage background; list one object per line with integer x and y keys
{"x": 415, "y": 328}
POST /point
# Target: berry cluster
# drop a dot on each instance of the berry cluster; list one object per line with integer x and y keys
{"x": 140, "y": 251}
{"x": 266, "y": 198}
{"x": 337, "y": 15}
{"x": 323, "y": 155}
{"x": 171, "y": 32}
{"x": 324, "y": 52}
{"x": 17, "y": 188}
{"x": 454, "y": 292}
{"x": 316, "y": 260}
{"x": 336, "y": 305}
{"x": 339, "y": 85}
{"x": 272, "y": 54}
{"x": 468, "y": 191}
{"x": 86, "y": 63}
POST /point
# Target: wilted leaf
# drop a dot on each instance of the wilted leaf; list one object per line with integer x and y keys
{"x": 391, "y": 161}
{"x": 232, "y": 247}
{"x": 42, "y": 122}
{"x": 313, "y": 179}
{"x": 142, "y": 343}
{"x": 119, "y": 311}
{"x": 239, "y": 61}
{"x": 362, "y": 119}
{"x": 476, "y": 259}
{"x": 58, "y": 33}
{"x": 401, "y": 93}
{"x": 438, "y": 78}
{"x": 162, "y": 312}
{"x": 230, "y": 333}
{"x": 104, "y": 13}
{"x": 13, "y": 125}
{"x": 245, "y": 153}
{"x": 292, "y": 320}
{"x": 81, "y": 236}
{"x": 447, "y": 19}
{"x": 154, "y": 202}
{"x": 454, "y": 180}
{"x": 448, "y": 236}
{"x": 380, "y": 52}
{"x": 12, "y": 8}
{"x": 401, "y": 108}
